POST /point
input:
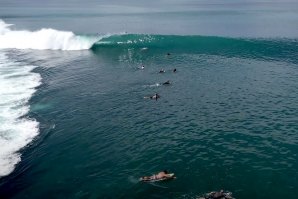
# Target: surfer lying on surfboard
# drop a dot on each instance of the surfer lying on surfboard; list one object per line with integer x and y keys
{"x": 163, "y": 175}
{"x": 166, "y": 83}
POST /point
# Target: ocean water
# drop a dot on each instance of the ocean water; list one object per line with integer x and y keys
{"x": 74, "y": 122}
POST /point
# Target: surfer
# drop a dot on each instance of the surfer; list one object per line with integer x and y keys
{"x": 163, "y": 175}
{"x": 162, "y": 71}
{"x": 167, "y": 83}
{"x": 218, "y": 195}
{"x": 174, "y": 70}
{"x": 155, "y": 96}
{"x": 142, "y": 67}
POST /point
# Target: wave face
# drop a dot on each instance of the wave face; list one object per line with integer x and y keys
{"x": 275, "y": 48}
{"x": 43, "y": 39}
{"x": 17, "y": 85}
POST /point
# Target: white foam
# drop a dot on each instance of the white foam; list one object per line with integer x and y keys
{"x": 153, "y": 85}
{"x": 45, "y": 38}
{"x": 17, "y": 85}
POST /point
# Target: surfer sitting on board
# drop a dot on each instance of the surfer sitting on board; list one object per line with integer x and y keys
{"x": 156, "y": 96}
{"x": 163, "y": 175}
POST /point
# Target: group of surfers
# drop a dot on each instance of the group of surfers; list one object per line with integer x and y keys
{"x": 165, "y": 175}
{"x": 156, "y": 96}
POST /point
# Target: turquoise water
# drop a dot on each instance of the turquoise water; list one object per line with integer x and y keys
{"x": 75, "y": 124}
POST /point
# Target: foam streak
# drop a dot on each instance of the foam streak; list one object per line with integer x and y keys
{"x": 17, "y": 85}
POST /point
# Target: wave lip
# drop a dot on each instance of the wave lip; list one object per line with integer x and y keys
{"x": 17, "y": 85}
{"x": 43, "y": 39}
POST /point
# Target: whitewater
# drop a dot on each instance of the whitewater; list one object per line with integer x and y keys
{"x": 18, "y": 84}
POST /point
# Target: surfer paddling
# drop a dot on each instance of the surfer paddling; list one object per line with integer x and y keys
{"x": 163, "y": 175}
{"x": 167, "y": 83}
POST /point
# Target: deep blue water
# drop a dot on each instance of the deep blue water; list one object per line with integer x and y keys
{"x": 75, "y": 124}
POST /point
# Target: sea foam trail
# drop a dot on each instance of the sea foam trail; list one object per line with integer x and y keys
{"x": 17, "y": 85}
{"x": 43, "y": 39}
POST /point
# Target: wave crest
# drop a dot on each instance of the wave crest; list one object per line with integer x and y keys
{"x": 43, "y": 39}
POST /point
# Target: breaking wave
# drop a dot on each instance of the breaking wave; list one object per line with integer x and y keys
{"x": 43, "y": 39}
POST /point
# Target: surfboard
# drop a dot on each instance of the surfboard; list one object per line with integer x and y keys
{"x": 170, "y": 176}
